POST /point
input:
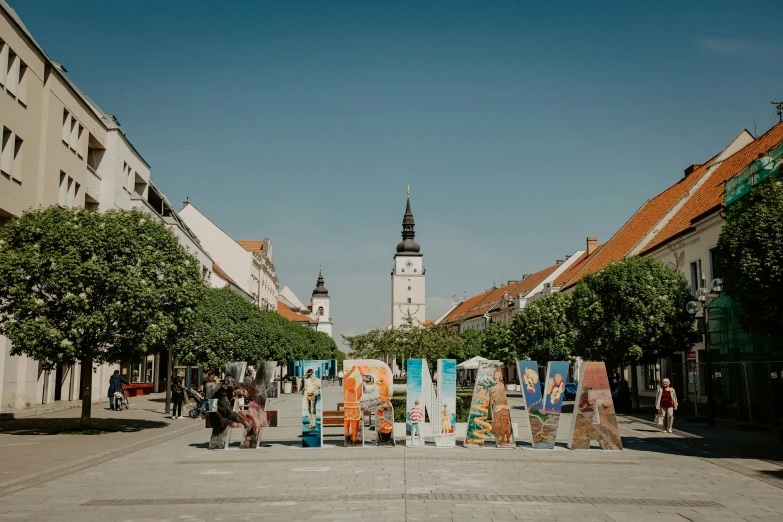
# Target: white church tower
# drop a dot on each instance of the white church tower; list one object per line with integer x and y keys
{"x": 320, "y": 306}
{"x": 408, "y": 295}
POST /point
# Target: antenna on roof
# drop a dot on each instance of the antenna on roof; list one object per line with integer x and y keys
{"x": 779, "y": 105}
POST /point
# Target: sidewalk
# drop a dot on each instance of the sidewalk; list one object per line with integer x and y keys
{"x": 34, "y": 451}
{"x": 43, "y": 409}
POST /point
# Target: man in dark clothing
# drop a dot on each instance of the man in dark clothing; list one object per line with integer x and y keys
{"x": 115, "y": 385}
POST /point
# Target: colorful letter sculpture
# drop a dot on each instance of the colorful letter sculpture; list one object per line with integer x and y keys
{"x": 228, "y": 410}
{"x": 531, "y": 392}
{"x": 312, "y": 410}
{"x": 440, "y": 402}
{"x": 489, "y": 391}
{"x": 367, "y": 385}
{"x": 544, "y": 419}
{"x": 594, "y": 418}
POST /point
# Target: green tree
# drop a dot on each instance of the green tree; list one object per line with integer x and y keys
{"x": 750, "y": 256}
{"x": 89, "y": 287}
{"x": 472, "y": 345}
{"x": 542, "y": 331}
{"x": 631, "y": 312}
{"x": 226, "y": 328}
{"x": 497, "y": 343}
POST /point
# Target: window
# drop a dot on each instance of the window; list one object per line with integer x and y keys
{"x": 713, "y": 266}
{"x": 695, "y": 276}
{"x": 12, "y": 77}
{"x": 139, "y": 372}
{"x": 63, "y": 193}
{"x": 402, "y": 270}
{"x": 94, "y": 153}
{"x": 80, "y": 141}
{"x": 16, "y": 161}
{"x": 320, "y": 310}
{"x": 409, "y": 300}
{"x": 652, "y": 376}
{"x": 66, "y": 134}
{"x": 409, "y": 288}
{"x": 6, "y": 151}
{"x": 3, "y": 63}
{"x": 73, "y": 137}
{"x": 415, "y": 270}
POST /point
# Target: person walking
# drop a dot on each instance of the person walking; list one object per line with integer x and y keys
{"x": 340, "y": 377}
{"x": 177, "y": 396}
{"x": 666, "y": 403}
{"x": 115, "y": 385}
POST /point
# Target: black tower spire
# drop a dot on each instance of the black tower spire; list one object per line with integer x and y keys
{"x": 320, "y": 289}
{"x": 408, "y": 246}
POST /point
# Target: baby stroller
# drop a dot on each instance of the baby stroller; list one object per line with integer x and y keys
{"x": 121, "y": 399}
{"x": 196, "y": 406}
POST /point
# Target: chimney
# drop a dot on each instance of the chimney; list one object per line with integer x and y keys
{"x": 525, "y": 276}
{"x": 559, "y": 262}
{"x": 185, "y": 204}
{"x": 690, "y": 170}
{"x": 511, "y": 282}
{"x": 592, "y": 244}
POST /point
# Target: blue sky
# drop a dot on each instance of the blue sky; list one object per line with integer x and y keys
{"x": 522, "y": 128}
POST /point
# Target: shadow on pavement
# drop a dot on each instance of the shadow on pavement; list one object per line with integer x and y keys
{"x": 49, "y": 426}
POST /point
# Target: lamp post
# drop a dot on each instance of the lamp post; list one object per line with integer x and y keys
{"x": 703, "y": 299}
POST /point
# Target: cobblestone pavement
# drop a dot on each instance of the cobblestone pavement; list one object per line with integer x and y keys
{"x": 178, "y": 479}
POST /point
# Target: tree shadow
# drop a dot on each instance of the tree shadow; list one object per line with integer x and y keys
{"x": 49, "y": 426}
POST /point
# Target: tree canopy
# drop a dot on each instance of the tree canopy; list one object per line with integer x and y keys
{"x": 750, "y": 256}
{"x": 542, "y": 331}
{"x": 630, "y": 312}
{"x": 83, "y": 286}
{"x": 229, "y": 328}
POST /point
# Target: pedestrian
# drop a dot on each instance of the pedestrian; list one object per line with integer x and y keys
{"x": 115, "y": 385}
{"x": 666, "y": 403}
{"x": 417, "y": 416}
{"x": 340, "y": 377}
{"x": 177, "y": 396}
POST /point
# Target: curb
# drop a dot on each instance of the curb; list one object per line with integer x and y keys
{"x": 13, "y": 486}
{"x": 35, "y": 412}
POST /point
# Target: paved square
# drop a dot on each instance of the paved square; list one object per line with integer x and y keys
{"x": 179, "y": 479}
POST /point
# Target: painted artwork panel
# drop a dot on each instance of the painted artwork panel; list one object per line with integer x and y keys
{"x": 312, "y": 407}
{"x": 414, "y": 403}
{"x": 595, "y": 418}
{"x": 489, "y": 400}
{"x": 531, "y": 390}
{"x": 444, "y": 411}
{"x": 545, "y": 420}
{"x": 367, "y": 385}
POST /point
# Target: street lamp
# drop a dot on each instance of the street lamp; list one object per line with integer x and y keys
{"x": 703, "y": 299}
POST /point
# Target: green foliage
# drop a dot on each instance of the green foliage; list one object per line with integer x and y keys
{"x": 750, "y": 256}
{"x": 542, "y": 331}
{"x": 408, "y": 340}
{"x": 229, "y": 328}
{"x": 471, "y": 346}
{"x": 464, "y": 397}
{"x": 78, "y": 285}
{"x": 632, "y": 311}
{"x": 497, "y": 343}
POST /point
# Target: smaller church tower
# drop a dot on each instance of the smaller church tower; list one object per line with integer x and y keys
{"x": 408, "y": 290}
{"x": 320, "y": 306}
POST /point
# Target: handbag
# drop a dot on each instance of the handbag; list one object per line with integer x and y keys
{"x": 659, "y": 418}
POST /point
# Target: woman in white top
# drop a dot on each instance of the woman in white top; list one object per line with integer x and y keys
{"x": 666, "y": 403}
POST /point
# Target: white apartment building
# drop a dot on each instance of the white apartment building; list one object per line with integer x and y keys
{"x": 59, "y": 148}
{"x": 248, "y": 263}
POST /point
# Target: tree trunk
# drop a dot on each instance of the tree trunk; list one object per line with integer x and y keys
{"x": 86, "y": 420}
{"x": 634, "y": 389}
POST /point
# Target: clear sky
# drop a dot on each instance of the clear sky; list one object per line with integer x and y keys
{"x": 522, "y": 128}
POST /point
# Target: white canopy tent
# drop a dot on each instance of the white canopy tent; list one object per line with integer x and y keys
{"x": 471, "y": 364}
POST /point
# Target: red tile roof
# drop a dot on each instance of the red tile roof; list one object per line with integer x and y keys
{"x": 480, "y": 304}
{"x": 710, "y": 195}
{"x": 219, "y": 271}
{"x": 286, "y": 312}
{"x": 633, "y": 231}
{"x": 251, "y": 245}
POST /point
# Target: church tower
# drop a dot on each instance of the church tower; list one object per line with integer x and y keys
{"x": 408, "y": 295}
{"x": 320, "y": 306}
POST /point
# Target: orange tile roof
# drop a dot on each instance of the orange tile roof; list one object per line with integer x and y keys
{"x": 428, "y": 322}
{"x": 251, "y": 245}
{"x": 219, "y": 271}
{"x": 286, "y": 312}
{"x": 489, "y": 300}
{"x": 575, "y": 267}
{"x": 710, "y": 194}
{"x": 634, "y": 230}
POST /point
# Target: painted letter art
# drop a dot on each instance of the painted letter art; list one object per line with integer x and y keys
{"x": 431, "y": 405}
